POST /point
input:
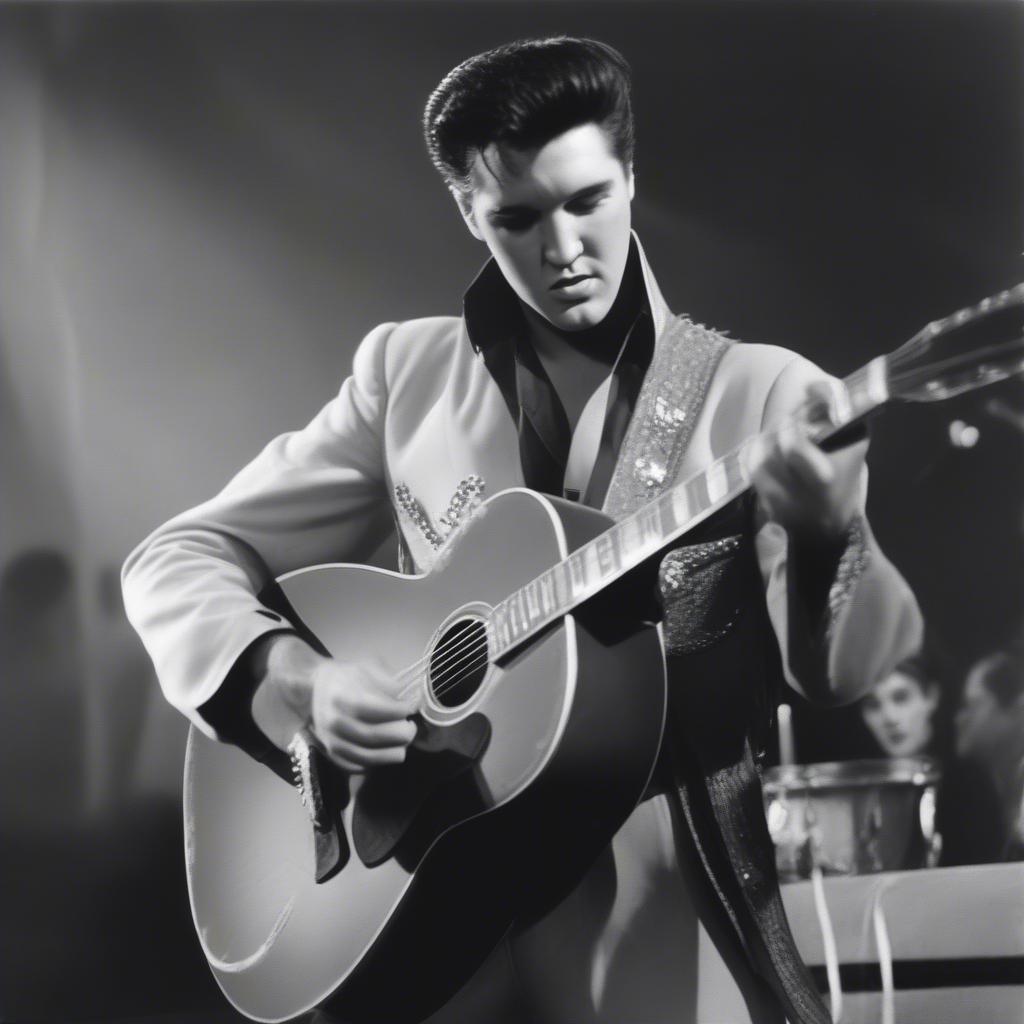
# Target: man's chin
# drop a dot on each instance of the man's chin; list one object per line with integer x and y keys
{"x": 576, "y": 318}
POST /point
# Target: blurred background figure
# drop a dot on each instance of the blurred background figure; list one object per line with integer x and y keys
{"x": 41, "y": 700}
{"x": 990, "y": 732}
{"x": 900, "y": 709}
{"x": 906, "y": 714}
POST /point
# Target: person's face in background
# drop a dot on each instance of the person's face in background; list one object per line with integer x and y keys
{"x": 984, "y": 728}
{"x": 899, "y": 711}
{"x": 557, "y": 222}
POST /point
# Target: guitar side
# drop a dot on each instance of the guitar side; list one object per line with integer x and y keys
{"x": 576, "y": 719}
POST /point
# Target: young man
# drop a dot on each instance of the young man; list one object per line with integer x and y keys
{"x": 566, "y": 373}
{"x": 990, "y": 731}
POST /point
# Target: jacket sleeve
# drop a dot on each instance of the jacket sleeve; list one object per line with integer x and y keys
{"x": 315, "y": 495}
{"x": 844, "y": 617}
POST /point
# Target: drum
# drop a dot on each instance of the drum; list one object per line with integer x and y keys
{"x": 852, "y": 817}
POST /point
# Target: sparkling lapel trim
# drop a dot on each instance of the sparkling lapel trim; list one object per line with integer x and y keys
{"x": 667, "y": 408}
{"x": 466, "y": 497}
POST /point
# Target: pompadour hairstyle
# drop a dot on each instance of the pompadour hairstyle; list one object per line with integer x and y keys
{"x": 522, "y": 95}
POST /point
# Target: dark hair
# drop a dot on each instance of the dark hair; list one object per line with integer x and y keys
{"x": 916, "y": 667}
{"x": 1002, "y": 674}
{"x": 522, "y": 95}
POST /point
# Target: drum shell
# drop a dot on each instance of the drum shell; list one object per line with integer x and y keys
{"x": 853, "y": 817}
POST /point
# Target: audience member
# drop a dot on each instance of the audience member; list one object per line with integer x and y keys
{"x": 990, "y": 731}
{"x": 905, "y": 715}
{"x": 900, "y": 708}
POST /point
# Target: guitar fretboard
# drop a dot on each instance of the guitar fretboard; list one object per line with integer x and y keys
{"x": 639, "y": 536}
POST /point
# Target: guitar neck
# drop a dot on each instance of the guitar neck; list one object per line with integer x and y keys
{"x": 672, "y": 514}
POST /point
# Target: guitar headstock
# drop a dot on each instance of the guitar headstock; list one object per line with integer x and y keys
{"x": 971, "y": 348}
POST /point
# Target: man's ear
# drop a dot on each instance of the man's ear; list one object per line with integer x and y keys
{"x": 465, "y": 206}
{"x": 630, "y": 182}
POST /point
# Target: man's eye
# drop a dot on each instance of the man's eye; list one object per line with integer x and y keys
{"x": 515, "y": 222}
{"x": 584, "y": 205}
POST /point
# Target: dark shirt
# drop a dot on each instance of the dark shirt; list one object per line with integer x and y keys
{"x": 968, "y": 815}
{"x": 498, "y": 329}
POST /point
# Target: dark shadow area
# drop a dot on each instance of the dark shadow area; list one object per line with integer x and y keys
{"x": 96, "y": 923}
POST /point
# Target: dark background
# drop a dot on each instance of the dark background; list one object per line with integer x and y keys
{"x": 203, "y": 208}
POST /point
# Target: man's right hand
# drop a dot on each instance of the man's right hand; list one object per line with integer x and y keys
{"x": 355, "y": 711}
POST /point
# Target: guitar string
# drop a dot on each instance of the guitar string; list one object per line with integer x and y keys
{"x": 453, "y": 647}
{"x": 921, "y": 374}
{"x": 897, "y": 377}
{"x": 454, "y": 650}
{"x": 856, "y": 378}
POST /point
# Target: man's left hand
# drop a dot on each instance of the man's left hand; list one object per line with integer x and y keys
{"x": 812, "y": 494}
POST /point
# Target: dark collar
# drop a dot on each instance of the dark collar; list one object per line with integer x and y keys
{"x": 497, "y": 330}
{"x": 493, "y": 316}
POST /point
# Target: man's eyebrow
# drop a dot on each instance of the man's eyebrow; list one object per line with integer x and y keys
{"x": 591, "y": 190}
{"x": 584, "y": 193}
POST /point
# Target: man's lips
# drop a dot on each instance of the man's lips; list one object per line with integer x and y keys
{"x": 574, "y": 289}
{"x": 568, "y": 282}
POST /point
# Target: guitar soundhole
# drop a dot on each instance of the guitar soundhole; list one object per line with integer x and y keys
{"x": 458, "y": 662}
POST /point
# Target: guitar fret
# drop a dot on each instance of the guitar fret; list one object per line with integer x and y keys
{"x": 631, "y": 539}
{"x": 510, "y": 620}
{"x": 697, "y": 492}
{"x": 499, "y": 623}
{"x": 577, "y": 572}
{"x": 532, "y": 602}
{"x": 717, "y": 480}
{"x": 520, "y": 606}
{"x": 649, "y": 521}
{"x": 735, "y": 475}
{"x": 563, "y": 588}
{"x": 679, "y": 504}
{"x": 607, "y": 553}
{"x": 548, "y": 592}
{"x": 667, "y": 517}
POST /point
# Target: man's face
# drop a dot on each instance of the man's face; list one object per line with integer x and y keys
{"x": 898, "y": 711}
{"x": 983, "y": 726}
{"x": 556, "y": 219}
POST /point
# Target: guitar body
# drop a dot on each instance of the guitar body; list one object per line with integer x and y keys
{"x": 575, "y": 719}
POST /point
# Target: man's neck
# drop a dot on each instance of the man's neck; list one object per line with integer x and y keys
{"x": 600, "y": 343}
{"x": 576, "y": 362}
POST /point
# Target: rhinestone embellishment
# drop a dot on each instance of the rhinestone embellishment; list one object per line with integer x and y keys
{"x": 692, "y": 579}
{"x": 649, "y": 472}
{"x": 852, "y": 564}
{"x": 666, "y": 412}
{"x": 678, "y": 565}
{"x": 466, "y": 497}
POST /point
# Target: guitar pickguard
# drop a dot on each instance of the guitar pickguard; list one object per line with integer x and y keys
{"x": 401, "y": 809}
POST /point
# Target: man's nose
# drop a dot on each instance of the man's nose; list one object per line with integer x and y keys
{"x": 561, "y": 243}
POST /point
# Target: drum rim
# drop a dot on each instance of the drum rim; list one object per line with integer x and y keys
{"x": 916, "y": 771}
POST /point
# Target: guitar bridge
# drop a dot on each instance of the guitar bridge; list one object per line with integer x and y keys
{"x": 306, "y": 779}
{"x": 324, "y": 796}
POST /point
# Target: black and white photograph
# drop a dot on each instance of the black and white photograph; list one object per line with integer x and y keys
{"x": 512, "y": 511}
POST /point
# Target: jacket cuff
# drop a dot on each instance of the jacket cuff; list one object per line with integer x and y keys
{"x": 820, "y": 581}
{"x": 229, "y": 710}
{"x": 852, "y": 562}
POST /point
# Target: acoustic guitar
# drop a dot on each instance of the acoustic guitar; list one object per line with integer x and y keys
{"x": 543, "y": 690}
